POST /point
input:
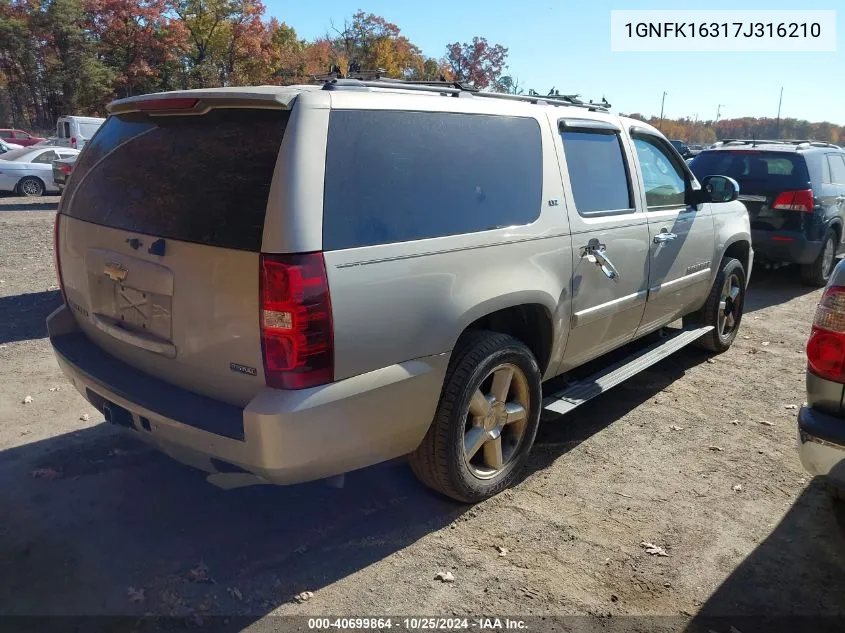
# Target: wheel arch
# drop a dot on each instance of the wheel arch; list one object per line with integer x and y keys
{"x": 39, "y": 179}
{"x": 739, "y": 248}
{"x": 527, "y": 317}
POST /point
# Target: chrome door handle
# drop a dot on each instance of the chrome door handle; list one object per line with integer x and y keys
{"x": 661, "y": 238}
{"x": 596, "y": 254}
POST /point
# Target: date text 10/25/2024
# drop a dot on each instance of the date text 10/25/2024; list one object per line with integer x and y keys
{"x": 418, "y": 624}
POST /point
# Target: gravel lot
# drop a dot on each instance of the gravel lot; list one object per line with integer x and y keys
{"x": 94, "y": 523}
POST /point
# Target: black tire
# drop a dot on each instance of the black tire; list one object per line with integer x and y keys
{"x": 30, "y": 187}
{"x": 718, "y": 339}
{"x": 818, "y": 273}
{"x": 439, "y": 461}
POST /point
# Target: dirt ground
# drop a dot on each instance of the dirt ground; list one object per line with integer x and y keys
{"x": 92, "y": 522}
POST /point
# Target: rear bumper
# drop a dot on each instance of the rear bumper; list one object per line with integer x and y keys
{"x": 280, "y": 437}
{"x": 785, "y": 246}
{"x": 821, "y": 444}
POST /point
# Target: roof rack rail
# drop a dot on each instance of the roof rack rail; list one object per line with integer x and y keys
{"x": 762, "y": 141}
{"x": 373, "y": 79}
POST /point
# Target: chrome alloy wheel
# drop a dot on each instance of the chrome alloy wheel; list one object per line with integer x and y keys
{"x": 496, "y": 420}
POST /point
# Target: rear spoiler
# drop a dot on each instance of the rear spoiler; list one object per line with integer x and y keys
{"x": 201, "y": 101}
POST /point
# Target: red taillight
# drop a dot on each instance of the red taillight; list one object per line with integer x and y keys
{"x": 65, "y": 169}
{"x": 795, "y": 201}
{"x": 826, "y": 347}
{"x": 297, "y": 339}
{"x": 167, "y": 104}
{"x": 56, "y": 258}
{"x": 73, "y": 142}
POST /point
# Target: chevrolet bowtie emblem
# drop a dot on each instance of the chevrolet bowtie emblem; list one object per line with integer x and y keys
{"x": 115, "y": 271}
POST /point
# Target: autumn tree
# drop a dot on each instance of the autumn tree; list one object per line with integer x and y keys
{"x": 510, "y": 85}
{"x": 477, "y": 63}
{"x": 207, "y": 23}
{"x": 137, "y": 39}
{"x": 370, "y": 42}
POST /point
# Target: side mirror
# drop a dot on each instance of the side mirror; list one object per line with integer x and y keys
{"x": 717, "y": 189}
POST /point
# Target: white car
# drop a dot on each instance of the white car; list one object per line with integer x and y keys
{"x": 28, "y": 171}
{"x": 8, "y": 147}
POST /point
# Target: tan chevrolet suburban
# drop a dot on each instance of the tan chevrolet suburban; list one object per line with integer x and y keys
{"x": 282, "y": 284}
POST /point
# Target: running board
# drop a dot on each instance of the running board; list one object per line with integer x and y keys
{"x": 577, "y": 394}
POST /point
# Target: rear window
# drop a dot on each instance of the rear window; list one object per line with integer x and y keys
{"x": 776, "y": 170}
{"x": 401, "y": 176}
{"x": 597, "y": 172}
{"x": 202, "y": 179}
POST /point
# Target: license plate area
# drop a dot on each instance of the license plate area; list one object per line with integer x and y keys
{"x": 139, "y": 299}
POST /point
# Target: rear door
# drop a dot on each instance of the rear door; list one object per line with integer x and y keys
{"x": 160, "y": 232}
{"x": 609, "y": 239}
{"x": 681, "y": 235}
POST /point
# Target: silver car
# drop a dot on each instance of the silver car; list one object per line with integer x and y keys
{"x": 821, "y": 423}
{"x": 29, "y": 171}
{"x": 383, "y": 270}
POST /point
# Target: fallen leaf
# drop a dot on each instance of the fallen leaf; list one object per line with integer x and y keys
{"x": 765, "y": 343}
{"x": 711, "y": 361}
{"x": 55, "y": 388}
{"x": 791, "y": 407}
{"x": 46, "y": 473}
{"x": 446, "y": 576}
{"x": 767, "y": 423}
{"x": 675, "y": 427}
{"x": 717, "y": 449}
{"x": 503, "y": 551}
{"x": 135, "y": 595}
{"x": 84, "y": 417}
{"x": 654, "y": 550}
{"x": 747, "y": 338}
{"x": 737, "y": 488}
{"x": 27, "y": 400}
{"x": 305, "y": 596}
{"x": 735, "y": 422}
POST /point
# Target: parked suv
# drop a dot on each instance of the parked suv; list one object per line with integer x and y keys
{"x": 821, "y": 422}
{"x": 795, "y": 195}
{"x": 385, "y": 269}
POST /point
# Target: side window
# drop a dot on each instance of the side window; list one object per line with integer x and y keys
{"x": 665, "y": 185}
{"x": 64, "y": 130}
{"x": 837, "y": 169}
{"x": 598, "y": 172}
{"x": 401, "y": 176}
{"x": 5, "y": 134}
{"x": 22, "y": 135}
{"x": 45, "y": 157}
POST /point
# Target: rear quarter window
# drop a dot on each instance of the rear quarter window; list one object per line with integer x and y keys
{"x": 401, "y": 176}
{"x": 202, "y": 179}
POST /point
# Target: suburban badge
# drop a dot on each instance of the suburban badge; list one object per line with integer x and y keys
{"x": 243, "y": 369}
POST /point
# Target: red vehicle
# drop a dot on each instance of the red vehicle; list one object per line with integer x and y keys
{"x": 19, "y": 137}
